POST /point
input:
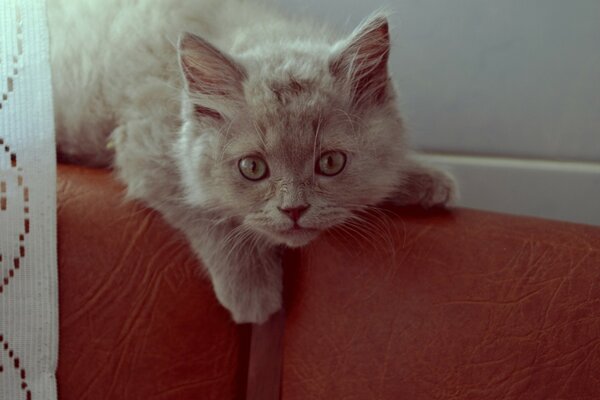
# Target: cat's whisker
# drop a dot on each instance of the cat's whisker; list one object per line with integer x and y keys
{"x": 388, "y": 218}
{"x": 233, "y": 233}
{"x": 255, "y": 242}
{"x": 224, "y": 131}
{"x": 317, "y": 140}
{"x": 235, "y": 239}
{"x": 261, "y": 136}
{"x": 356, "y": 228}
{"x": 379, "y": 227}
{"x": 353, "y": 120}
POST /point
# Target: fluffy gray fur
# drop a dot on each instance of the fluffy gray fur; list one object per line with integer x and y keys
{"x": 181, "y": 91}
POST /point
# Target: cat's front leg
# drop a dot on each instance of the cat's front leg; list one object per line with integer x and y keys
{"x": 245, "y": 271}
{"x": 425, "y": 186}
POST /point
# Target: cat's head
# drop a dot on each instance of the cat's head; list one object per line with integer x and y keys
{"x": 290, "y": 137}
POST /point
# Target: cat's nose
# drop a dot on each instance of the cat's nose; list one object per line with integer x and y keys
{"x": 294, "y": 212}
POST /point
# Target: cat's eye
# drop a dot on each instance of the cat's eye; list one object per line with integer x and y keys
{"x": 331, "y": 163}
{"x": 253, "y": 168}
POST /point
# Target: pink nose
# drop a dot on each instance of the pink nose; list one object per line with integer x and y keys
{"x": 294, "y": 212}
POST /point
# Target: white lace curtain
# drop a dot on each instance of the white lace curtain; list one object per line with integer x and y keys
{"x": 28, "y": 278}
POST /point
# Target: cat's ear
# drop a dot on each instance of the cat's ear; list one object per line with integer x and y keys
{"x": 213, "y": 80}
{"x": 361, "y": 60}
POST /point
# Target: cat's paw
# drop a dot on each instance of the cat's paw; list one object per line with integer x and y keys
{"x": 255, "y": 306}
{"x": 251, "y": 287}
{"x": 427, "y": 187}
{"x": 438, "y": 190}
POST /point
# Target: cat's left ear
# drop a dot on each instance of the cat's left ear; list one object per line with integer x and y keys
{"x": 212, "y": 78}
{"x": 362, "y": 60}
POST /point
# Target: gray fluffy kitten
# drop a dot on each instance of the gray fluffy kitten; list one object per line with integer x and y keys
{"x": 247, "y": 130}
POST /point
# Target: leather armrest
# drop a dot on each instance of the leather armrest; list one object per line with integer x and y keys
{"x": 462, "y": 305}
{"x": 447, "y": 305}
{"x": 137, "y": 321}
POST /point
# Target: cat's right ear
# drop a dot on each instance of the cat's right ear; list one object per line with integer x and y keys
{"x": 362, "y": 59}
{"x": 213, "y": 80}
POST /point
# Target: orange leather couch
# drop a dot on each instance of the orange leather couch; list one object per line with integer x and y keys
{"x": 441, "y": 305}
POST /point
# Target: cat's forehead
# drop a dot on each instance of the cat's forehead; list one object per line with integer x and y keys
{"x": 288, "y": 120}
{"x": 290, "y": 100}
{"x": 293, "y": 108}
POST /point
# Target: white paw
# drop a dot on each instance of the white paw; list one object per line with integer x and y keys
{"x": 440, "y": 190}
{"x": 426, "y": 187}
{"x": 255, "y": 307}
{"x": 253, "y": 296}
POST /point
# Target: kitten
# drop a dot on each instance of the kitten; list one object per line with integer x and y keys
{"x": 247, "y": 130}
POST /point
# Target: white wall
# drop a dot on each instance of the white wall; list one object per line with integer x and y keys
{"x": 506, "y": 93}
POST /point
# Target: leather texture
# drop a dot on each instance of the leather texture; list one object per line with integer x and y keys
{"x": 437, "y": 305}
{"x": 460, "y": 305}
{"x": 137, "y": 319}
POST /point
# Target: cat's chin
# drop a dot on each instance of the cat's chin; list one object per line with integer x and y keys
{"x": 295, "y": 237}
